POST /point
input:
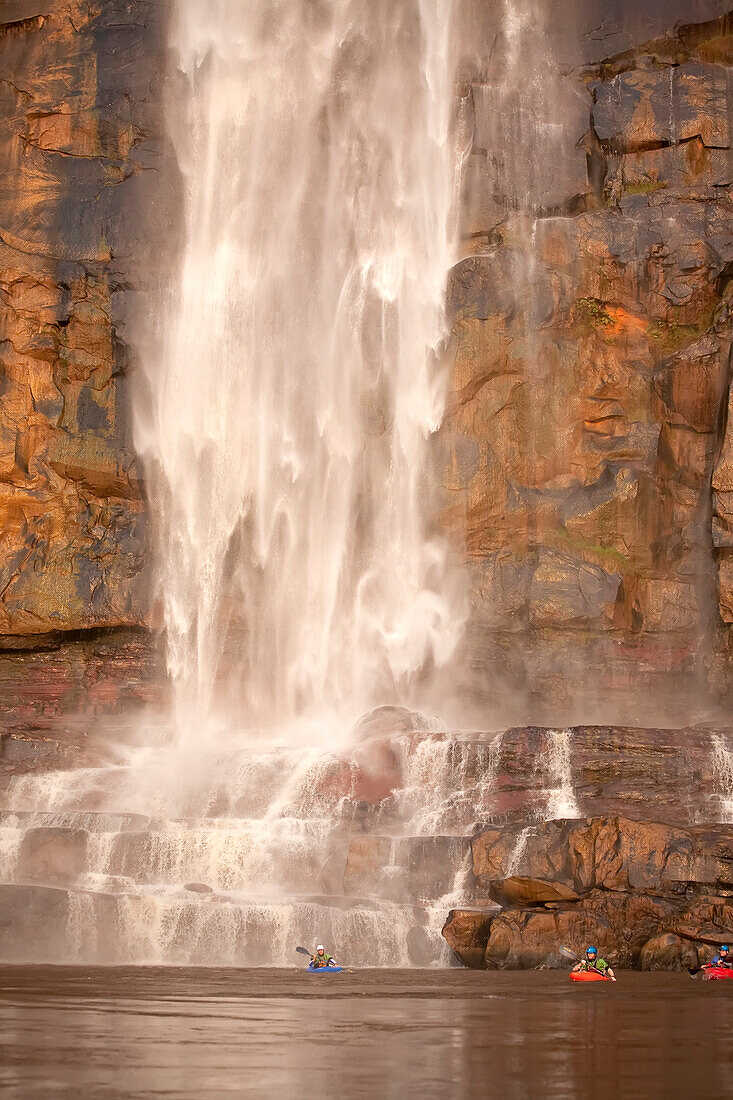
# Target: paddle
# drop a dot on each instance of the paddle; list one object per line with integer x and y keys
{"x": 568, "y": 954}
{"x": 304, "y": 951}
{"x": 694, "y": 971}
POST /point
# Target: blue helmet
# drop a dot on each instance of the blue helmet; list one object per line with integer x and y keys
{"x": 724, "y": 947}
{"x": 591, "y": 951}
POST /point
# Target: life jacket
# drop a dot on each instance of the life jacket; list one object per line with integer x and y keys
{"x": 599, "y": 965}
{"x": 319, "y": 961}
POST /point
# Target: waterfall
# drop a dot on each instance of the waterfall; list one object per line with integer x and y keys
{"x": 561, "y": 800}
{"x": 723, "y": 776}
{"x": 284, "y": 414}
{"x": 518, "y": 852}
{"x": 285, "y": 425}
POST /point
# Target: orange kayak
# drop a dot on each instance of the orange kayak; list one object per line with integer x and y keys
{"x": 587, "y": 976}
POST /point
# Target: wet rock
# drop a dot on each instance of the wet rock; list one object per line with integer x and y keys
{"x": 413, "y": 868}
{"x": 646, "y": 109}
{"x": 420, "y": 949}
{"x": 647, "y": 894}
{"x": 467, "y": 933}
{"x": 524, "y": 892}
{"x": 84, "y": 215}
{"x": 614, "y": 771}
{"x": 609, "y": 854}
{"x": 33, "y": 923}
{"x": 706, "y": 921}
{"x": 365, "y": 864}
{"x": 602, "y": 339}
{"x": 57, "y": 701}
{"x": 618, "y": 925}
{"x": 52, "y": 855}
{"x": 565, "y": 591}
{"x": 668, "y": 952}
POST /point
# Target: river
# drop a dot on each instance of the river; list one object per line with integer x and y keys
{"x": 200, "y": 1033}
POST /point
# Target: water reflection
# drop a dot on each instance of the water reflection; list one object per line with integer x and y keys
{"x": 183, "y": 1033}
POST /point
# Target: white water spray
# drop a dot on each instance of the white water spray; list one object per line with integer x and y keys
{"x": 723, "y": 774}
{"x": 518, "y": 852}
{"x": 561, "y": 800}
{"x": 286, "y": 426}
{"x": 285, "y": 423}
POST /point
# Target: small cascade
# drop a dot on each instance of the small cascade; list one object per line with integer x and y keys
{"x": 449, "y": 781}
{"x": 458, "y": 896}
{"x": 561, "y": 800}
{"x": 81, "y": 927}
{"x": 10, "y": 838}
{"x": 723, "y": 776}
{"x": 515, "y": 859}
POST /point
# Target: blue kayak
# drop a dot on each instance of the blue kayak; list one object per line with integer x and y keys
{"x": 323, "y": 969}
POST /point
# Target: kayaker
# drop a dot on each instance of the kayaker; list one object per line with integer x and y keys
{"x": 593, "y": 962}
{"x": 322, "y": 958}
{"x": 723, "y": 957}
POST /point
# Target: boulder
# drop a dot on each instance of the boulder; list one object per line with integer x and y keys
{"x": 518, "y": 892}
{"x": 466, "y": 931}
{"x": 668, "y": 952}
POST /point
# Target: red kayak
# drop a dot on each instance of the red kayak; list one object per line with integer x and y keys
{"x": 716, "y": 973}
{"x": 587, "y": 976}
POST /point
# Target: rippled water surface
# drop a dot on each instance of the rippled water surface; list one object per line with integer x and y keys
{"x": 137, "y": 1032}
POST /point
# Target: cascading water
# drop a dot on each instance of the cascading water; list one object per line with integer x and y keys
{"x": 722, "y": 759}
{"x": 561, "y": 800}
{"x": 286, "y": 426}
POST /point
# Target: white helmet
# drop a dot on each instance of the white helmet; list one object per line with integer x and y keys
{"x": 320, "y": 947}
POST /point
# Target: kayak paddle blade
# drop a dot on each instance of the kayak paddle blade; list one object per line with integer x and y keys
{"x": 568, "y": 953}
{"x": 303, "y": 951}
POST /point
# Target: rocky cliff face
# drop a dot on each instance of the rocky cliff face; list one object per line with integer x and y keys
{"x": 650, "y": 896}
{"x": 590, "y": 468}
{"x": 85, "y": 217}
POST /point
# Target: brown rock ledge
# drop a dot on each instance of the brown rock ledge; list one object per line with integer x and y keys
{"x": 649, "y": 895}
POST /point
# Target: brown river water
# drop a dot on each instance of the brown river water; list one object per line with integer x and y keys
{"x": 164, "y": 1032}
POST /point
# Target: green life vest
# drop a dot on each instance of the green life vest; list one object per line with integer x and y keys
{"x": 599, "y": 964}
{"x": 319, "y": 961}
